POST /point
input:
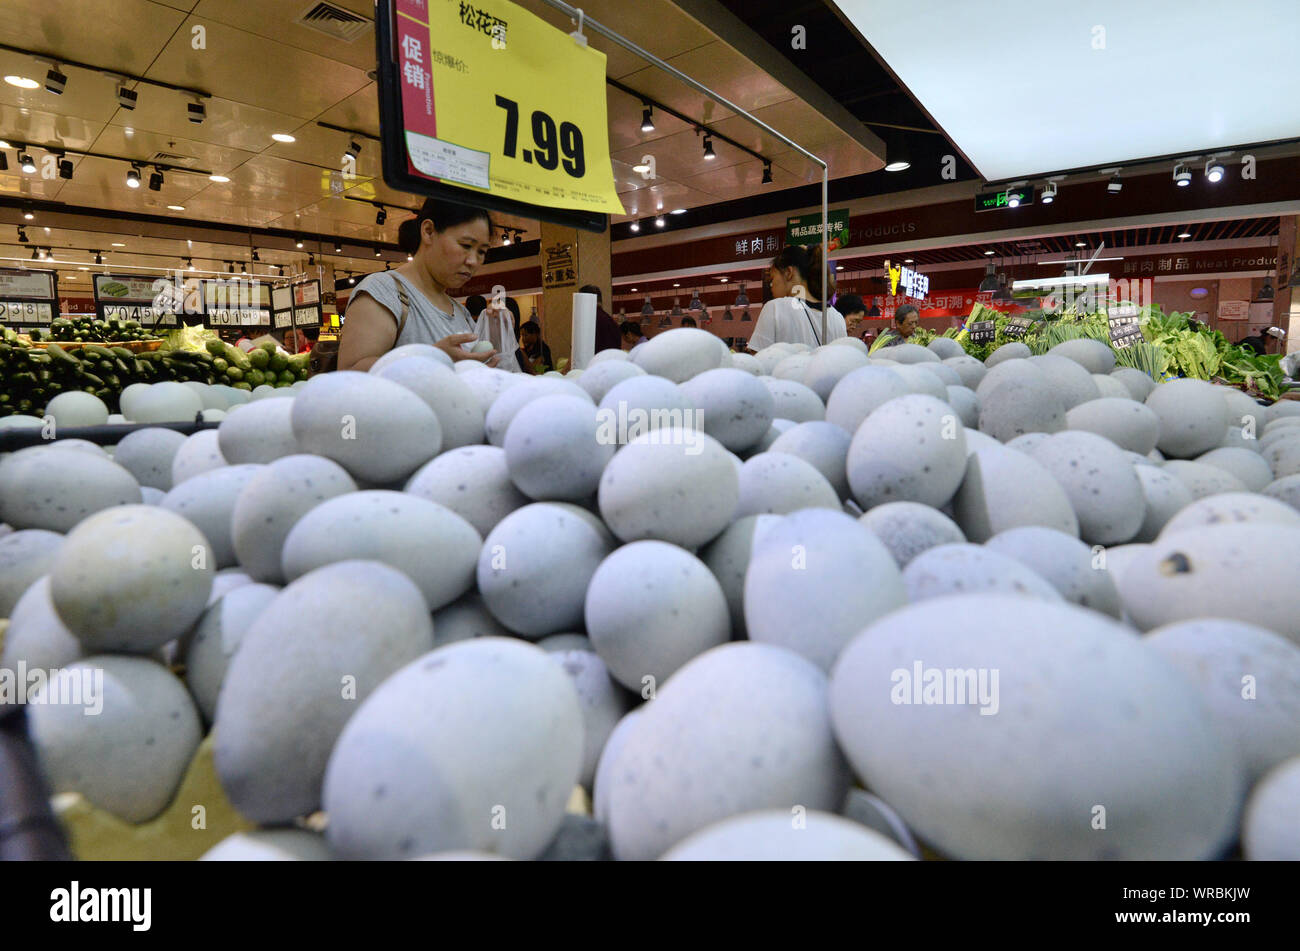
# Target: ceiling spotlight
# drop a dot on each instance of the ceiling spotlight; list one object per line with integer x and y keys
{"x": 22, "y": 82}
{"x": 659, "y": 222}
{"x": 1184, "y": 235}
{"x": 55, "y": 81}
{"x": 65, "y": 168}
{"x": 352, "y": 152}
{"x": 41, "y": 254}
{"x": 635, "y": 226}
{"x": 1049, "y": 193}
{"x": 28, "y": 213}
{"x": 1081, "y": 244}
{"x": 219, "y": 179}
{"x": 1114, "y": 186}
{"x": 243, "y": 268}
{"x": 381, "y": 215}
{"x": 338, "y": 247}
{"x": 283, "y": 137}
{"x": 133, "y": 177}
{"x": 280, "y": 268}
{"x": 189, "y": 264}
{"x": 505, "y": 238}
{"x": 897, "y": 158}
{"x": 709, "y": 154}
{"x": 99, "y": 258}
{"x": 256, "y": 256}
{"x": 311, "y": 259}
{"x": 767, "y": 173}
{"x": 989, "y": 254}
{"x": 126, "y": 98}
{"x": 677, "y": 211}
{"x": 378, "y": 252}
{"x": 196, "y": 112}
{"x": 25, "y": 162}
{"x": 176, "y": 207}
{"x": 647, "y": 119}
{"x": 37, "y": 254}
{"x": 990, "y": 282}
{"x": 4, "y": 162}
{"x": 410, "y": 257}
{"x": 230, "y": 267}
{"x": 156, "y": 180}
{"x": 1013, "y": 200}
{"x": 1213, "y": 170}
{"x": 297, "y": 241}
{"x": 1182, "y": 175}
{"x": 22, "y": 235}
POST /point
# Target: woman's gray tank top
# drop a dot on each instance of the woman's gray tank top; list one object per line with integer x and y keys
{"x": 425, "y": 323}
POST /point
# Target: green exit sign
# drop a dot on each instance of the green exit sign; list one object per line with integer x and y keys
{"x": 992, "y": 201}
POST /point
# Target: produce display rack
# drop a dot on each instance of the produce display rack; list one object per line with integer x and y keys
{"x": 13, "y": 439}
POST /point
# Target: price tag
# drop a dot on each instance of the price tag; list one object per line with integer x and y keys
{"x": 1017, "y": 327}
{"x": 1124, "y": 329}
{"x": 983, "y": 331}
{"x": 497, "y": 101}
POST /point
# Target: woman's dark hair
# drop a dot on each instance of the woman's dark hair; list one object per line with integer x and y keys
{"x": 904, "y": 312}
{"x": 475, "y": 305}
{"x": 444, "y": 214}
{"x": 850, "y": 304}
{"x": 531, "y": 327}
{"x": 512, "y": 305}
{"x": 808, "y": 262}
{"x": 630, "y": 328}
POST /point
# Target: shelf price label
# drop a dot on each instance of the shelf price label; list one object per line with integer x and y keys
{"x": 496, "y": 99}
{"x": 983, "y": 331}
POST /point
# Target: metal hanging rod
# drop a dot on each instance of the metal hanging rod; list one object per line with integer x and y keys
{"x": 694, "y": 123}
{"x": 104, "y": 70}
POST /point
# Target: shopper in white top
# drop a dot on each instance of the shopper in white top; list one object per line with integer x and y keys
{"x": 794, "y": 315}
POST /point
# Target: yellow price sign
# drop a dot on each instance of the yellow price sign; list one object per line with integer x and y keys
{"x": 496, "y": 100}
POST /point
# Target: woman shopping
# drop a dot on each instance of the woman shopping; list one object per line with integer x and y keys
{"x": 794, "y": 315}
{"x": 412, "y": 303}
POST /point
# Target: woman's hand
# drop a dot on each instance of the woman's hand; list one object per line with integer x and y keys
{"x": 453, "y": 346}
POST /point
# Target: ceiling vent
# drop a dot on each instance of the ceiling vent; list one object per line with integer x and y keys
{"x": 170, "y": 158}
{"x": 334, "y": 21}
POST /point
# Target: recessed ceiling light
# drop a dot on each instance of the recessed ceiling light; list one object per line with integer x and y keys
{"x": 634, "y": 290}
{"x": 899, "y": 166}
{"x": 1185, "y": 234}
{"x": 118, "y": 244}
{"x": 22, "y": 82}
{"x": 218, "y": 178}
{"x": 176, "y": 207}
{"x": 1081, "y": 244}
{"x": 678, "y": 211}
{"x": 282, "y": 137}
{"x": 989, "y": 254}
{"x": 839, "y": 267}
{"x": 83, "y": 269}
{"x": 907, "y": 260}
{"x": 724, "y": 280}
{"x": 677, "y": 285}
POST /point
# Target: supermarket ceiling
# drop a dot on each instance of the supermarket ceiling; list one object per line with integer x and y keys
{"x": 1025, "y": 88}
{"x": 269, "y": 73}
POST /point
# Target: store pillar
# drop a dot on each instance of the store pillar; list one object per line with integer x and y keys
{"x": 570, "y": 259}
{"x": 1286, "y": 302}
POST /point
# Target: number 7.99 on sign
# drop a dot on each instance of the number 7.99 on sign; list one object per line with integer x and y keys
{"x": 551, "y": 148}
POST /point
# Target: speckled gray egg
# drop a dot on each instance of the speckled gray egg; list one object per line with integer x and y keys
{"x": 1231, "y": 508}
{"x": 487, "y": 383}
{"x": 828, "y": 366}
{"x": 508, "y": 405}
{"x": 794, "y": 401}
{"x": 47, "y": 488}
{"x": 460, "y": 416}
{"x": 1203, "y": 480}
{"x": 823, "y": 445}
{"x": 427, "y": 351}
{"x": 946, "y": 348}
{"x": 910, "y": 353}
{"x": 259, "y": 433}
{"x": 773, "y": 836}
{"x": 75, "y": 408}
{"x": 911, "y": 449}
{"x": 736, "y": 408}
{"x": 779, "y": 483}
{"x": 815, "y": 580}
{"x": 946, "y": 374}
{"x": 475, "y": 745}
{"x": 474, "y": 482}
{"x": 535, "y": 566}
{"x": 208, "y": 501}
{"x": 650, "y": 608}
{"x": 970, "y": 370}
{"x": 967, "y": 405}
{"x": 1111, "y": 388}
{"x": 860, "y": 393}
{"x": 36, "y": 635}
{"x": 1271, "y": 830}
{"x": 748, "y": 363}
{"x": 465, "y": 618}
{"x": 556, "y": 448}
{"x": 1005, "y": 737}
{"x": 376, "y": 429}
{"x": 126, "y": 745}
{"x": 1100, "y": 482}
{"x": 162, "y": 403}
{"x": 428, "y": 542}
{"x": 1165, "y": 495}
{"x": 148, "y": 455}
{"x": 603, "y": 377}
{"x": 1207, "y": 571}
{"x": 25, "y": 556}
{"x": 967, "y": 569}
{"x": 273, "y": 501}
{"x": 131, "y": 578}
{"x": 602, "y": 701}
{"x": 1138, "y": 384}
{"x": 1005, "y": 489}
{"x": 1285, "y": 490}
{"x": 774, "y": 432}
{"x": 742, "y": 727}
{"x": 909, "y": 528}
{"x": 1019, "y": 399}
{"x": 1064, "y": 562}
{"x": 976, "y": 440}
{"x": 676, "y": 485}
{"x": 1282, "y": 409}
{"x": 680, "y": 354}
{"x": 1235, "y": 437}
{"x": 1008, "y": 351}
{"x": 1250, "y": 681}
{"x": 1192, "y": 415}
{"x": 651, "y": 400}
{"x": 1028, "y": 442}
{"x": 307, "y": 662}
{"x": 1095, "y": 356}
{"x": 727, "y": 556}
{"x": 207, "y": 649}
{"x": 200, "y": 452}
{"x": 921, "y": 381}
{"x": 1070, "y": 380}
{"x": 1246, "y": 465}
{"x": 792, "y": 367}
{"x": 270, "y": 845}
{"x": 1125, "y": 422}
{"x": 1283, "y": 456}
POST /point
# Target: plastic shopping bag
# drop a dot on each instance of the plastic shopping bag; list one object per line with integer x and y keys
{"x": 496, "y": 325}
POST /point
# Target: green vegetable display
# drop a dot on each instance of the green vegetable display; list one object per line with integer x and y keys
{"x": 71, "y": 329}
